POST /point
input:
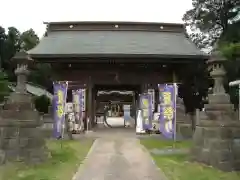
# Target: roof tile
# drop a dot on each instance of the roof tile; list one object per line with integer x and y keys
{"x": 115, "y": 42}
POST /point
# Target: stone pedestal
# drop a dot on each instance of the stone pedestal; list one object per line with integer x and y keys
{"x": 48, "y": 123}
{"x": 184, "y": 124}
{"x": 21, "y": 138}
{"x": 217, "y": 135}
{"x": 217, "y": 138}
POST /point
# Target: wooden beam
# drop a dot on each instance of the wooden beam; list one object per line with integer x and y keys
{"x": 117, "y": 78}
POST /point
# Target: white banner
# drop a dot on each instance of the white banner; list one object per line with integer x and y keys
{"x": 152, "y": 93}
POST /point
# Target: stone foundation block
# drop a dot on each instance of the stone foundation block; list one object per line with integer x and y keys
{"x": 217, "y": 146}
{"x": 185, "y": 130}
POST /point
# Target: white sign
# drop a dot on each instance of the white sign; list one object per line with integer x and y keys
{"x": 126, "y": 107}
{"x": 69, "y": 107}
{"x": 152, "y": 93}
{"x": 139, "y": 126}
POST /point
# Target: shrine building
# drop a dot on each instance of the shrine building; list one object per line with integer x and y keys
{"x": 117, "y": 56}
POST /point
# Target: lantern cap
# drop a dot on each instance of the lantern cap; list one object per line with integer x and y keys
{"x": 22, "y": 57}
{"x": 216, "y": 56}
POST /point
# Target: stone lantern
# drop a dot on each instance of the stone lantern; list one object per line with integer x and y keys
{"x": 217, "y": 72}
{"x": 216, "y": 141}
{"x": 20, "y": 98}
{"x": 21, "y": 138}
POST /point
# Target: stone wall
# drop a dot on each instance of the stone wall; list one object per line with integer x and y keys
{"x": 47, "y": 126}
{"x": 218, "y": 144}
{"x": 184, "y": 121}
{"x": 22, "y": 144}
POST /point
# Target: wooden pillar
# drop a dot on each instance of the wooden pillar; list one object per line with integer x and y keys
{"x": 156, "y": 96}
{"x": 134, "y": 107}
{"x": 144, "y": 88}
{"x": 137, "y": 93}
{"x": 174, "y": 77}
{"x": 93, "y": 106}
{"x": 89, "y": 103}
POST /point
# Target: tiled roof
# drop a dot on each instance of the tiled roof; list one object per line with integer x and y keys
{"x": 87, "y": 43}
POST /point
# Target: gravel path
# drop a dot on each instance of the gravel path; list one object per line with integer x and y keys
{"x": 118, "y": 158}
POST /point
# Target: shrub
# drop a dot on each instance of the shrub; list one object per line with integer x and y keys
{"x": 42, "y": 103}
{"x": 4, "y": 90}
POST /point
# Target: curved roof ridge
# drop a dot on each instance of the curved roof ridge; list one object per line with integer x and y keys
{"x": 115, "y": 22}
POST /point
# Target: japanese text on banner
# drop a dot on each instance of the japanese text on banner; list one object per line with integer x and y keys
{"x": 60, "y": 106}
{"x": 168, "y": 111}
{"x": 167, "y": 95}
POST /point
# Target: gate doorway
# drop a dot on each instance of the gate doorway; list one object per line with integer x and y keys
{"x": 111, "y": 103}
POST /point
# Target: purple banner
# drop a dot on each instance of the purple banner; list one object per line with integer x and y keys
{"x": 59, "y": 101}
{"x": 81, "y": 102}
{"x": 146, "y": 106}
{"x": 80, "y": 93}
{"x": 167, "y": 99}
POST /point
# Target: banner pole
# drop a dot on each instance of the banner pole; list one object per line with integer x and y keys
{"x": 54, "y": 111}
{"x": 175, "y": 112}
{"x": 63, "y": 125}
{"x": 87, "y": 123}
{"x": 80, "y": 111}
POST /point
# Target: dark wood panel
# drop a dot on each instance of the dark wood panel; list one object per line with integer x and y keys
{"x": 115, "y": 26}
{"x": 108, "y": 77}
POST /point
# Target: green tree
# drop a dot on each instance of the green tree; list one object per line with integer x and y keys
{"x": 9, "y": 47}
{"x": 3, "y": 38}
{"x": 42, "y": 104}
{"x": 13, "y": 41}
{"x": 216, "y": 20}
{"x": 210, "y": 20}
{"x": 230, "y": 42}
{"x": 4, "y": 90}
{"x": 29, "y": 39}
{"x": 41, "y": 74}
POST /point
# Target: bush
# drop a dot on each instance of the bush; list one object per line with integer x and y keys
{"x": 4, "y": 90}
{"x": 42, "y": 103}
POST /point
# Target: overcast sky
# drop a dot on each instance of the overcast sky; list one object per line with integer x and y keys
{"x": 25, "y": 14}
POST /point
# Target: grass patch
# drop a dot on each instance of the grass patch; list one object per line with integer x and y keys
{"x": 61, "y": 166}
{"x": 150, "y": 143}
{"x": 177, "y": 167}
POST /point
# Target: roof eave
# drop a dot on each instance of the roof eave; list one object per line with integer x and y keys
{"x": 114, "y": 22}
{"x": 120, "y": 56}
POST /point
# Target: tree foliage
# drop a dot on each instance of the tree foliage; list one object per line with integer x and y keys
{"x": 29, "y": 39}
{"x": 42, "y": 104}
{"x": 4, "y": 90}
{"x": 212, "y": 21}
{"x": 12, "y": 41}
{"x": 42, "y": 74}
